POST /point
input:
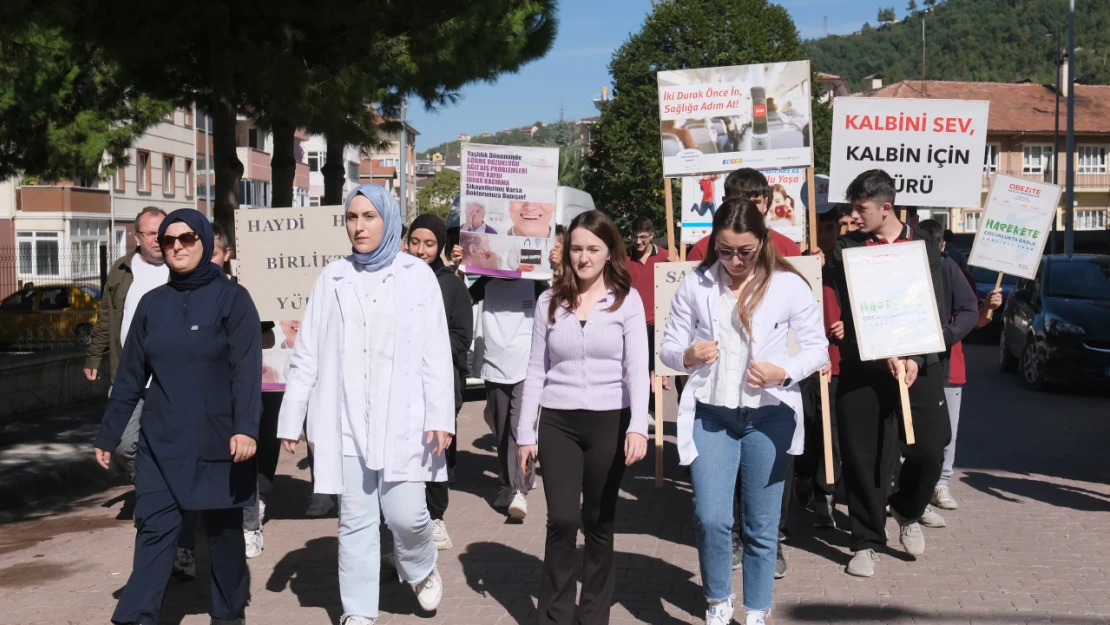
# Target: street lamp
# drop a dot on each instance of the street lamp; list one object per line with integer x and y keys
{"x": 1056, "y": 133}
{"x": 1069, "y": 218}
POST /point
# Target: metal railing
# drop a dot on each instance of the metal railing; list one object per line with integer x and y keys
{"x": 49, "y": 297}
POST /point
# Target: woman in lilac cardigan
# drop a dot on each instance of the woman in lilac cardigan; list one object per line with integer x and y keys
{"x": 587, "y": 385}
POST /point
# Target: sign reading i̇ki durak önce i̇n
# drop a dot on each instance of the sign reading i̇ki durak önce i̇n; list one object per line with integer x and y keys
{"x": 1015, "y": 225}
{"x": 508, "y": 210}
{"x": 894, "y": 307}
{"x": 281, "y": 251}
{"x": 717, "y": 119}
{"x": 932, "y": 148}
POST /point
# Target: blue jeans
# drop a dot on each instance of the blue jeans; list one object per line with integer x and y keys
{"x": 753, "y": 441}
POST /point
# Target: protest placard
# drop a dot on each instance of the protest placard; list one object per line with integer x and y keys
{"x": 508, "y": 199}
{"x": 701, "y": 195}
{"x": 932, "y": 148}
{"x": 718, "y": 119}
{"x": 280, "y": 253}
{"x": 1016, "y": 223}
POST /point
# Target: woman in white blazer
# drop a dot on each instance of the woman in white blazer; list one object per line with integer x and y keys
{"x": 372, "y": 370}
{"x": 741, "y": 409}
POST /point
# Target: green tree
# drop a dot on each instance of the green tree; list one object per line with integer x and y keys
{"x": 437, "y": 195}
{"x": 624, "y": 168}
{"x": 887, "y": 15}
{"x": 912, "y": 7}
{"x": 930, "y": 3}
{"x": 66, "y": 111}
{"x": 572, "y": 167}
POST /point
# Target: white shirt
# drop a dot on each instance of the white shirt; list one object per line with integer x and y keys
{"x": 507, "y": 312}
{"x": 146, "y": 278}
{"x": 375, "y": 290}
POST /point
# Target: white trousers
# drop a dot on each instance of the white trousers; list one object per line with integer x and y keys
{"x": 365, "y": 498}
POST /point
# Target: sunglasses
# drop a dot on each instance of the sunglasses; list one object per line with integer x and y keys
{"x": 726, "y": 254}
{"x": 188, "y": 240}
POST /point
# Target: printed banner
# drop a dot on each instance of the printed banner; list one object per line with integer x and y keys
{"x": 718, "y": 119}
{"x": 932, "y": 148}
{"x": 892, "y": 300}
{"x": 508, "y": 199}
{"x": 280, "y": 253}
{"x": 701, "y": 195}
{"x": 1016, "y": 224}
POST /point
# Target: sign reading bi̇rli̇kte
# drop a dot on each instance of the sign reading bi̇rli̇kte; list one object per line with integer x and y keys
{"x": 1015, "y": 226}
{"x": 932, "y": 148}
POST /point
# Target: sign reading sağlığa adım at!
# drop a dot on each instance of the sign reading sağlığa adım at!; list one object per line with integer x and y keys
{"x": 893, "y": 304}
{"x": 1015, "y": 226}
{"x": 507, "y": 202}
{"x": 717, "y": 119}
{"x": 932, "y": 148}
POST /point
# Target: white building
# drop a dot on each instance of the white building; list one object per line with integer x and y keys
{"x": 316, "y": 148}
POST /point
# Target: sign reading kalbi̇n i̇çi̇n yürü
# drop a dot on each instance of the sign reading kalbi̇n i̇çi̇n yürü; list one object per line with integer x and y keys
{"x": 932, "y": 148}
{"x": 718, "y": 119}
{"x": 701, "y": 195}
{"x": 893, "y": 304}
{"x": 1015, "y": 225}
{"x": 508, "y": 199}
{"x": 281, "y": 251}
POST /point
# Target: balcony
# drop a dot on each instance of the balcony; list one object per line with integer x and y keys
{"x": 1083, "y": 181}
{"x": 300, "y": 178}
{"x": 44, "y": 199}
{"x": 256, "y": 163}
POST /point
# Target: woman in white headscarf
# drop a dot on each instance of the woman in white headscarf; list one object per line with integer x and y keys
{"x": 372, "y": 370}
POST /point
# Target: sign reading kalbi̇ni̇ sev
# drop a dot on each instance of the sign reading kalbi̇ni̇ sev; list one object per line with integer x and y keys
{"x": 280, "y": 252}
{"x": 893, "y": 304}
{"x": 1016, "y": 223}
{"x": 932, "y": 148}
{"x": 717, "y": 119}
{"x": 507, "y": 202}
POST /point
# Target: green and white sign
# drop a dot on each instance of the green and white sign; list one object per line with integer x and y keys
{"x": 1016, "y": 223}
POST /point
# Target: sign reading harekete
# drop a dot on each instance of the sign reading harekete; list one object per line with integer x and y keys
{"x": 932, "y": 148}
{"x": 1016, "y": 220}
{"x": 508, "y": 198}
{"x": 280, "y": 252}
{"x": 892, "y": 300}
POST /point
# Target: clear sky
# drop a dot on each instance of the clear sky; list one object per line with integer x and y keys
{"x": 573, "y": 72}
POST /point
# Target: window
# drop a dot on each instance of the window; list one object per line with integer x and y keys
{"x": 315, "y": 161}
{"x": 1092, "y": 159}
{"x": 142, "y": 171}
{"x": 254, "y": 193}
{"x": 168, "y": 117}
{"x": 189, "y": 116}
{"x": 86, "y": 236}
{"x": 169, "y": 181}
{"x": 388, "y": 162}
{"x": 314, "y": 201}
{"x": 352, "y": 172}
{"x": 972, "y": 221}
{"x": 54, "y": 298}
{"x": 256, "y": 139}
{"x": 1090, "y": 219}
{"x": 1036, "y": 159}
{"x": 190, "y": 179}
{"x": 85, "y": 181}
{"x": 119, "y": 181}
{"x": 990, "y": 159}
{"x": 38, "y": 253}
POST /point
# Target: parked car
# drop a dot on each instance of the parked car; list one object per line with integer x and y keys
{"x": 985, "y": 280}
{"x": 44, "y": 315}
{"x": 1056, "y": 327}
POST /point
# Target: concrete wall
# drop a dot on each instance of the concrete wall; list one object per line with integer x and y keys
{"x": 45, "y": 380}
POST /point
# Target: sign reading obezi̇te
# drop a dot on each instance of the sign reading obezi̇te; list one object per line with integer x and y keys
{"x": 932, "y": 148}
{"x": 1011, "y": 238}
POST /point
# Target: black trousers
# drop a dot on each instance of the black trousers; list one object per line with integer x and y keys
{"x": 438, "y": 494}
{"x": 158, "y": 518}
{"x": 868, "y": 413}
{"x": 582, "y": 453}
{"x": 809, "y": 468}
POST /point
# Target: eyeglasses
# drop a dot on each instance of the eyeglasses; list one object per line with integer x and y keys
{"x": 188, "y": 240}
{"x": 726, "y": 254}
{"x": 643, "y": 237}
{"x": 148, "y": 235}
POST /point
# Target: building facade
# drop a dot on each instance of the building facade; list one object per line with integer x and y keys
{"x": 383, "y": 166}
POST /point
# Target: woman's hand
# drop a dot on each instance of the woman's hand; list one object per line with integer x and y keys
{"x": 994, "y": 300}
{"x": 443, "y": 440}
{"x": 456, "y": 254}
{"x": 911, "y": 369}
{"x": 289, "y": 445}
{"x": 527, "y": 454}
{"x": 243, "y": 447}
{"x": 635, "y": 448}
{"x": 836, "y": 331}
{"x": 103, "y": 458}
{"x": 765, "y": 374}
{"x": 700, "y": 353}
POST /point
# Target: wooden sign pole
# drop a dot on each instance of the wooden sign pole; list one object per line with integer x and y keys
{"x": 997, "y": 285}
{"x": 826, "y": 419}
{"x": 671, "y": 256}
{"x": 904, "y": 391}
{"x": 657, "y": 382}
{"x": 811, "y": 209}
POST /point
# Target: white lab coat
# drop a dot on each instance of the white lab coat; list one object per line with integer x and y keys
{"x": 787, "y": 304}
{"x": 329, "y": 368}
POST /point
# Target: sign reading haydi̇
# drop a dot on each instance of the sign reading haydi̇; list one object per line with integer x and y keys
{"x": 932, "y": 148}
{"x": 1016, "y": 221}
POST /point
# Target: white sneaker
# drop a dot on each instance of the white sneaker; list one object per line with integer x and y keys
{"x": 518, "y": 509}
{"x": 185, "y": 564}
{"x": 719, "y": 613}
{"x": 930, "y": 518}
{"x": 348, "y": 619}
{"x": 254, "y": 542}
{"x": 261, "y": 512}
{"x": 910, "y": 535}
{"x": 504, "y": 498}
{"x": 756, "y": 617}
{"x": 430, "y": 591}
{"x": 319, "y": 506}
{"x": 943, "y": 499}
{"x": 440, "y": 535}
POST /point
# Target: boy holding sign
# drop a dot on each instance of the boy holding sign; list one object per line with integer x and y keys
{"x": 867, "y": 396}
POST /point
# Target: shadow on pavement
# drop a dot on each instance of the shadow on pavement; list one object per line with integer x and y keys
{"x": 839, "y": 613}
{"x": 1015, "y": 489}
{"x": 312, "y": 575}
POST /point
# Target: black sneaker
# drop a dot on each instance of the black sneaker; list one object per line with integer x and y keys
{"x": 780, "y": 565}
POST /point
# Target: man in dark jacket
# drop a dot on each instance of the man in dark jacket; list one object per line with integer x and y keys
{"x": 867, "y": 398}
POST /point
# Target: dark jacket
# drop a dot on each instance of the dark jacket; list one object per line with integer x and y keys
{"x": 105, "y": 339}
{"x": 202, "y": 350}
{"x": 959, "y": 308}
{"x": 460, "y": 324}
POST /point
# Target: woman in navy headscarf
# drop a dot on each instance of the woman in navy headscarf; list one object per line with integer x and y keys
{"x": 198, "y": 341}
{"x": 372, "y": 370}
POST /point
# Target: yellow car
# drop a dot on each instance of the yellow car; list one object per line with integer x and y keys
{"x": 44, "y": 315}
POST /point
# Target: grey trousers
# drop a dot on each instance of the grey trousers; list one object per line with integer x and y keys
{"x": 502, "y": 416}
{"x": 953, "y": 395}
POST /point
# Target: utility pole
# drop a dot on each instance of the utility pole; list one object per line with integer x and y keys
{"x": 1056, "y": 136}
{"x": 404, "y": 164}
{"x": 923, "y": 49}
{"x": 1069, "y": 219}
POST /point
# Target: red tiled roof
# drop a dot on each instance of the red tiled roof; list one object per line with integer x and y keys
{"x": 1014, "y": 107}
